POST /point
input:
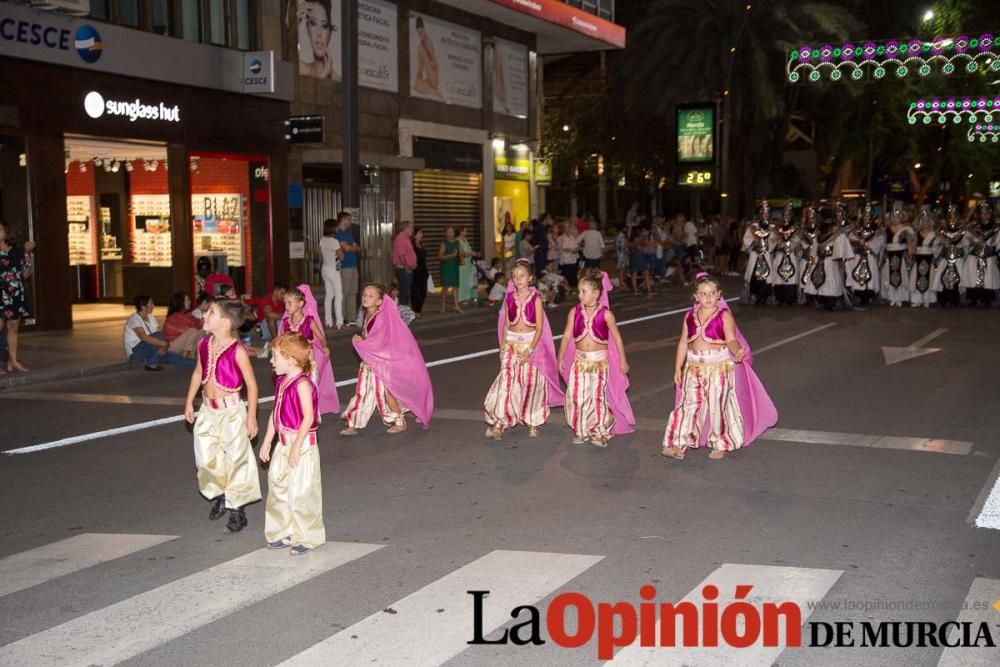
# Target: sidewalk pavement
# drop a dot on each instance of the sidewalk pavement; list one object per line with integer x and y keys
{"x": 95, "y": 348}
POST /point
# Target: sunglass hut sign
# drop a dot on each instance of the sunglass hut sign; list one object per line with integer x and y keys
{"x": 135, "y": 110}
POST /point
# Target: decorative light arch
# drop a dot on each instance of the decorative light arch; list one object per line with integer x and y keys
{"x": 984, "y": 132}
{"x": 947, "y": 55}
{"x": 954, "y": 109}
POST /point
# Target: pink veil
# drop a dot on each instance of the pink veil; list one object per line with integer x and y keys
{"x": 617, "y": 381}
{"x": 544, "y": 358}
{"x": 392, "y": 353}
{"x": 756, "y": 407}
{"x": 326, "y": 385}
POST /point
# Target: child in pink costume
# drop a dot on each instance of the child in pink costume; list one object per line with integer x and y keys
{"x": 719, "y": 399}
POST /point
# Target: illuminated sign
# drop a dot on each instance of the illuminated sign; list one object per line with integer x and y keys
{"x": 696, "y": 133}
{"x": 695, "y": 178}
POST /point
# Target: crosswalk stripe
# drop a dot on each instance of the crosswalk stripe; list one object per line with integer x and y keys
{"x": 36, "y": 566}
{"x": 982, "y": 594}
{"x": 770, "y": 584}
{"x": 128, "y": 628}
{"x": 434, "y": 624}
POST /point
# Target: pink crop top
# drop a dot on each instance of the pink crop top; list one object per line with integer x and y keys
{"x": 288, "y": 407}
{"x": 304, "y": 327}
{"x": 596, "y": 325}
{"x": 523, "y": 313}
{"x": 712, "y": 332}
{"x": 221, "y": 368}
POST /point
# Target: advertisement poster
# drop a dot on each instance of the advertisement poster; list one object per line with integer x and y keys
{"x": 319, "y": 42}
{"x": 696, "y": 134}
{"x": 445, "y": 62}
{"x": 510, "y": 78}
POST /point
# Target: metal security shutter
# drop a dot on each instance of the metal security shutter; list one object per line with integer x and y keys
{"x": 447, "y": 198}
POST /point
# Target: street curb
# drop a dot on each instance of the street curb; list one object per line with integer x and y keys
{"x": 12, "y": 380}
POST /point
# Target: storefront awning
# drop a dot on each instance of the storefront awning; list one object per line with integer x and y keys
{"x": 558, "y": 27}
{"x": 336, "y": 156}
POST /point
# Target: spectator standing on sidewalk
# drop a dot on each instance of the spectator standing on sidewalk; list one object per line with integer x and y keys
{"x": 569, "y": 254}
{"x": 418, "y": 293}
{"x": 467, "y": 283}
{"x": 333, "y": 283}
{"x": 404, "y": 260}
{"x": 449, "y": 255}
{"x": 540, "y": 237}
{"x": 348, "y": 265}
{"x": 15, "y": 268}
{"x": 593, "y": 246}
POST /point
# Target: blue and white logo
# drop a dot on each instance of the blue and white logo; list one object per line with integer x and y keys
{"x": 256, "y": 66}
{"x": 88, "y": 43}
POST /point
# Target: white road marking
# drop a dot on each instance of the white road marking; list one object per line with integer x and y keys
{"x": 36, "y": 566}
{"x": 126, "y": 629}
{"x": 770, "y": 584}
{"x": 977, "y": 608}
{"x": 131, "y": 428}
{"x": 114, "y": 399}
{"x": 989, "y": 515}
{"x": 434, "y": 624}
{"x": 894, "y": 355}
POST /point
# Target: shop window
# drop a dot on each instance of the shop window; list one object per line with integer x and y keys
{"x": 118, "y": 217}
{"x": 231, "y": 218}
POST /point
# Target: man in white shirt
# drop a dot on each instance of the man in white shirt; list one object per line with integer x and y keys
{"x": 593, "y": 246}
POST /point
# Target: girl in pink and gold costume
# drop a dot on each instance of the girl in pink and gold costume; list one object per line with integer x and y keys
{"x": 719, "y": 399}
{"x": 528, "y": 382}
{"x": 592, "y": 362}
{"x": 393, "y": 377}
{"x": 302, "y": 317}
{"x": 294, "y": 511}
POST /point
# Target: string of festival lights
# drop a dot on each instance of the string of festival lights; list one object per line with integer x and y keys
{"x": 947, "y": 55}
{"x": 955, "y": 110}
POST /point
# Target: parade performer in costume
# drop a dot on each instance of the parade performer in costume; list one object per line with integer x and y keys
{"x": 719, "y": 400}
{"x": 899, "y": 245}
{"x": 294, "y": 514}
{"x": 807, "y": 261}
{"x": 862, "y": 271}
{"x": 592, "y": 362}
{"x": 302, "y": 317}
{"x": 981, "y": 276}
{"x": 831, "y": 250}
{"x": 757, "y": 241}
{"x": 227, "y": 474}
{"x": 926, "y": 249}
{"x": 528, "y": 382}
{"x": 393, "y": 377}
{"x": 785, "y": 260}
{"x": 949, "y": 271}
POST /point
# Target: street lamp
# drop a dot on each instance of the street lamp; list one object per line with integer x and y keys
{"x": 916, "y": 166}
{"x": 565, "y": 128}
{"x": 928, "y": 15}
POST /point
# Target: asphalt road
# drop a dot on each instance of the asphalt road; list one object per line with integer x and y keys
{"x": 883, "y": 516}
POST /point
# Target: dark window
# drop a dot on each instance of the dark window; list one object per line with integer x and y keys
{"x": 159, "y": 17}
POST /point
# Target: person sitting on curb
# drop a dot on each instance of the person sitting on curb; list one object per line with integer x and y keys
{"x": 143, "y": 340}
{"x": 181, "y": 329}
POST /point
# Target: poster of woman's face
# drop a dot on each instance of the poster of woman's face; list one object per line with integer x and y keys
{"x": 317, "y": 47}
